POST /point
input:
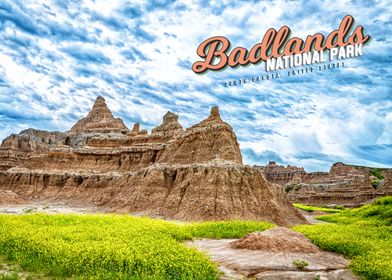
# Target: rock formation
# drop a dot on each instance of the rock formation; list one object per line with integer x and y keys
{"x": 191, "y": 174}
{"x": 169, "y": 124}
{"x": 17, "y": 147}
{"x": 279, "y": 174}
{"x": 136, "y": 130}
{"x": 277, "y": 239}
{"x": 100, "y": 119}
{"x": 211, "y": 139}
{"x": 32, "y": 141}
{"x": 346, "y": 185}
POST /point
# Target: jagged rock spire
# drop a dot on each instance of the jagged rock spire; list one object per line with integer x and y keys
{"x": 136, "y": 130}
{"x": 169, "y": 123}
{"x": 211, "y": 140}
{"x": 214, "y": 114}
{"x": 100, "y": 119}
{"x": 136, "y": 127}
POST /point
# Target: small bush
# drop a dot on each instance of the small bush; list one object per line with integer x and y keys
{"x": 376, "y": 172}
{"x": 28, "y": 210}
{"x": 376, "y": 183}
{"x": 300, "y": 264}
{"x": 291, "y": 187}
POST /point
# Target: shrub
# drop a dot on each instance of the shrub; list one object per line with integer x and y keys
{"x": 376, "y": 172}
{"x": 300, "y": 264}
{"x": 291, "y": 187}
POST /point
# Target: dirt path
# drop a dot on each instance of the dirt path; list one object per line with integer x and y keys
{"x": 311, "y": 217}
{"x": 244, "y": 263}
{"x": 47, "y": 207}
{"x": 276, "y": 253}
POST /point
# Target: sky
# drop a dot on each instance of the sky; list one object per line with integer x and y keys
{"x": 57, "y": 56}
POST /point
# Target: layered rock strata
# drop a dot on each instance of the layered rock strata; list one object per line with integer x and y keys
{"x": 344, "y": 184}
{"x": 191, "y": 174}
{"x": 100, "y": 119}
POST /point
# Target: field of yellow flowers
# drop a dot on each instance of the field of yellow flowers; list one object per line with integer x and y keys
{"x": 112, "y": 246}
{"x": 125, "y": 247}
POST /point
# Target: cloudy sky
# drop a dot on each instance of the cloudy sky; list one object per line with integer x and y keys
{"x": 57, "y": 56}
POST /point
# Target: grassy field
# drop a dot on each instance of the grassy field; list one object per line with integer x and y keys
{"x": 309, "y": 208}
{"x": 363, "y": 234}
{"x": 112, "y": 246}
{"x": 125, "y": 247}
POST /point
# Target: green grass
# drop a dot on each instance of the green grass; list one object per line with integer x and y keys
{"x": 231, "y": 229}
{"x": 113, "y": 246}
{"x": 309, "y": 208}
{"x": 376, "y": 172}
{"x": 9, "y": 276}
{"x": 363, "y": 234}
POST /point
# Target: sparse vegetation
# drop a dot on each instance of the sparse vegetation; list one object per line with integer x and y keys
{"x": 230, "y": 229}
{"x": 363, "y": 234}
{"x": 300, "y": 264}
{"x": 309, "y": 208}
{"x": 376, "y": 172}
{"x": 113, "y": 246}
{"x": 9, "y": 276}
{"x": 292, "y": 187}
{"x": 340, "y": 207}
{"x": 28, "y": 210}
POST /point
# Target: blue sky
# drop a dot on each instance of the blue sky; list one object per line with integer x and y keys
{"x": 57, "y": 56}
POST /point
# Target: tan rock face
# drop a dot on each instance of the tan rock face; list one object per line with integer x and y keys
{"x": 279, "y": 174}
{"x": 8, "y": 197}
{"x": 32, "y": 141}
{"x": 194, "y": 192}
{"x": 211, "y": 139}
{"x": 169, "y": 123}
{"x": 136, "y": 130}
{"x": 343, "y": 185}
{"x": 100, "y": 119}
{"x": 192, "y": 174}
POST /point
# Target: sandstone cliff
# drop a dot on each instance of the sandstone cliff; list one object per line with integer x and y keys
{"x": 210, "y": 139}
{"x": 344, "y": 184}
{"x": 191, "y": 174}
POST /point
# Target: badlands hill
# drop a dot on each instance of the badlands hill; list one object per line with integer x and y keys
{"x": 188, "y": 174}
{"x": 347, "y": 185}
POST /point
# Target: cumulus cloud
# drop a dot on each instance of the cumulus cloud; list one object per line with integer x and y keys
{"x": 57, "y": 56}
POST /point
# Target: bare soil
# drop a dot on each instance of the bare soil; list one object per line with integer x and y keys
{"x": 279, "y": 239}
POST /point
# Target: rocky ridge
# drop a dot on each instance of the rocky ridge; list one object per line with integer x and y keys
{"x": 191, "y": 174}
{"x": 344, "y": 184}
